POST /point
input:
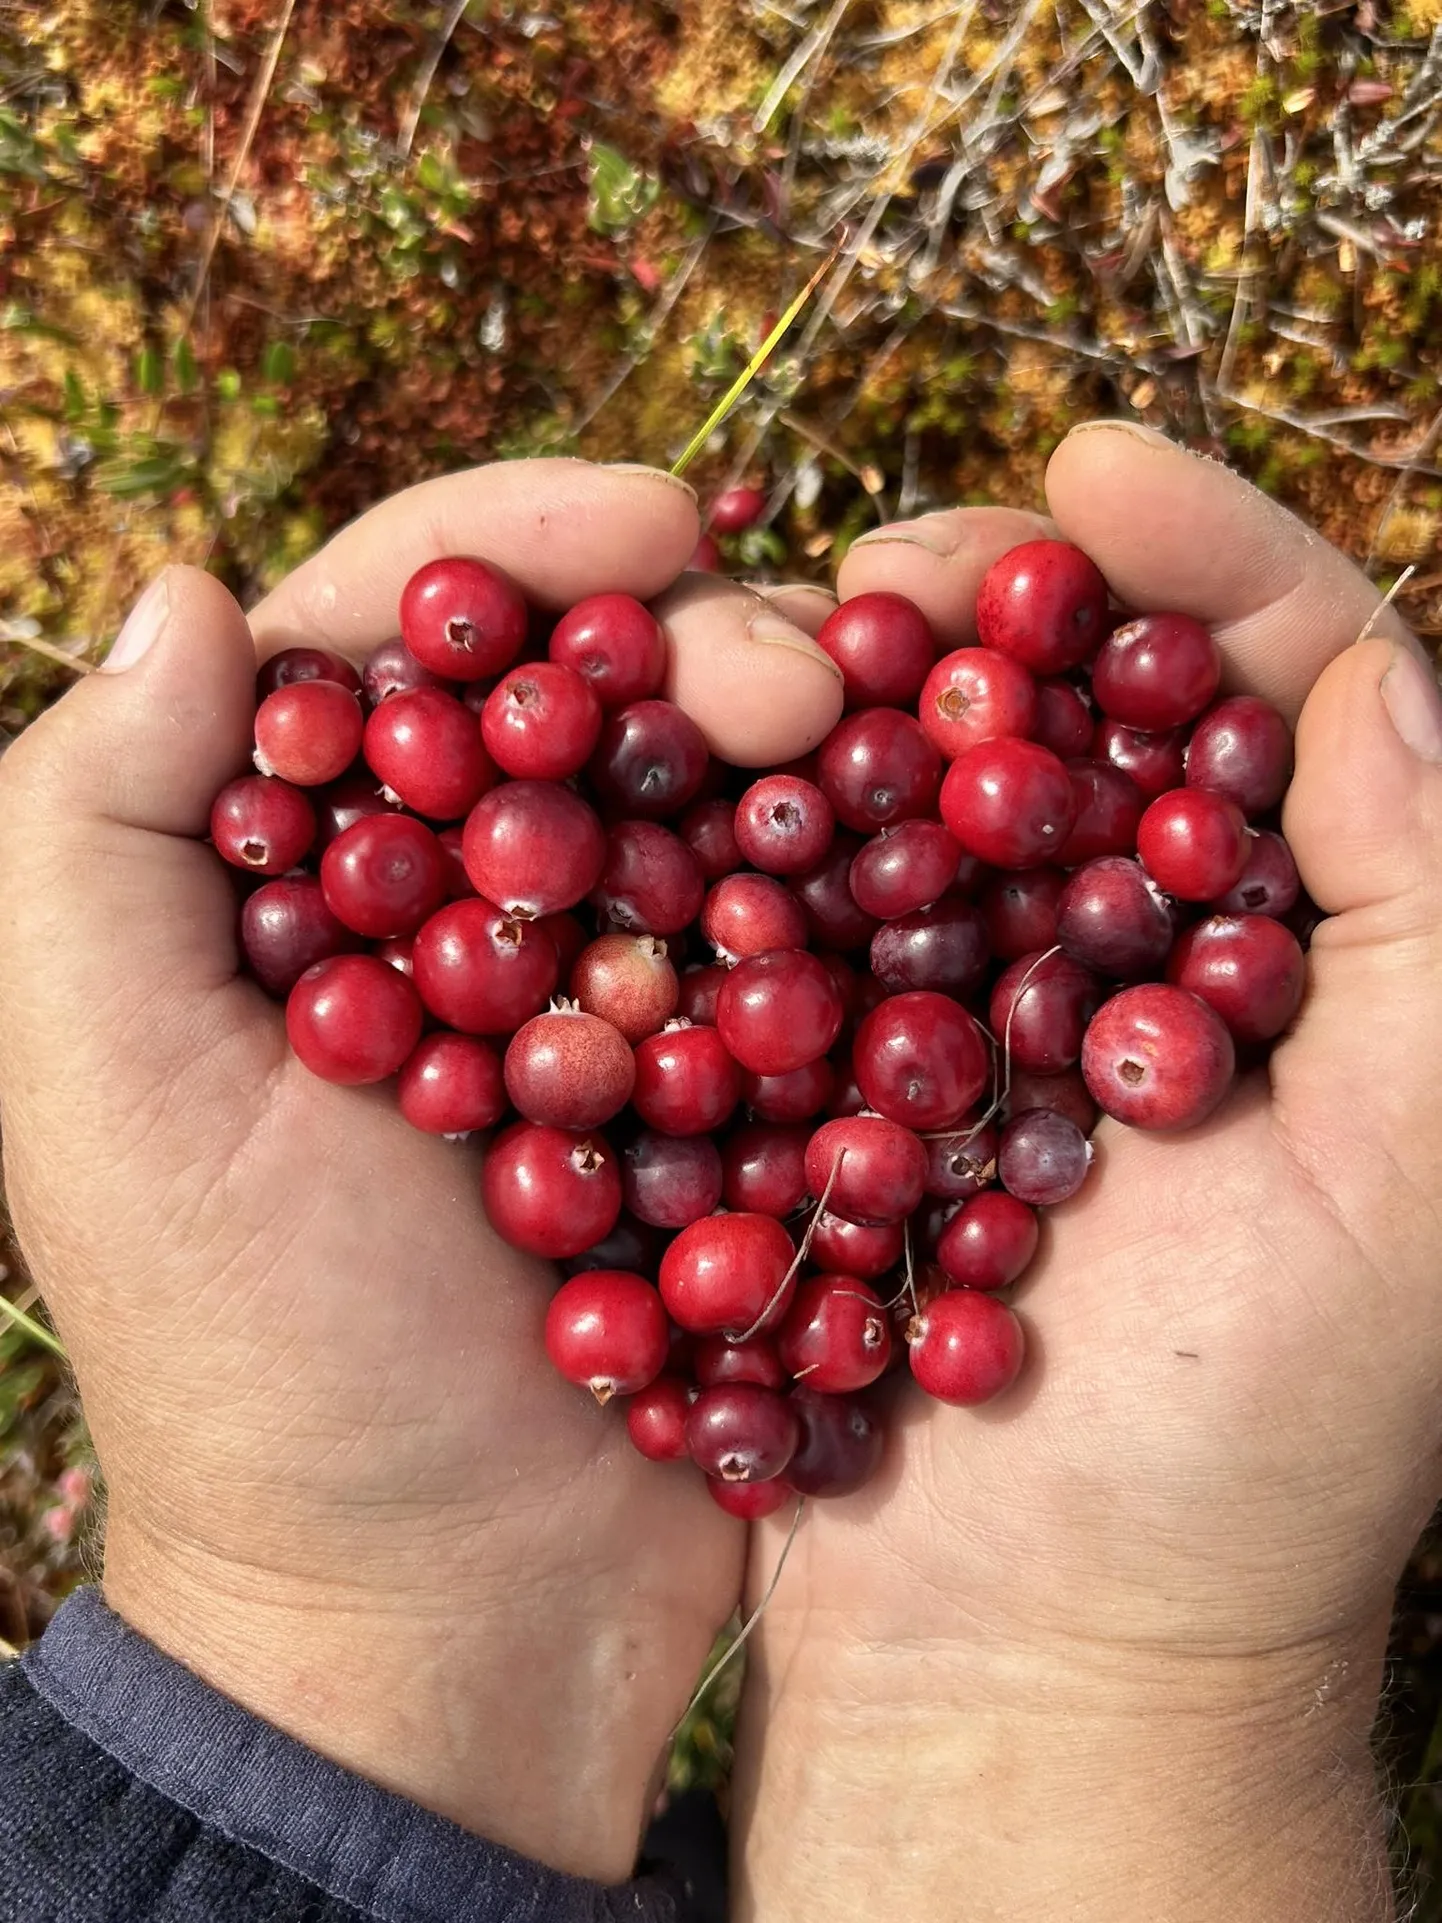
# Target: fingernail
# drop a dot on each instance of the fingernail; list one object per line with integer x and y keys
{"x": 1413, "y": 700}
{"x": 651, "y": 474}
{"x": 1137, "y": 429}
{"x": 772, "y": 630}
{"x": 142, "y": 628}
{"x": 937, "y": 533}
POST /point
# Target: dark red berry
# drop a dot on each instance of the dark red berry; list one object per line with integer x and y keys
{"x": 965, "y": 1348}
{"x": 976, "y": 695}
{"x": 1039, "y": 1011}
{"x": 353, "y": 798}
{"x": 764, "y": 1167}
{"x": 1157, "y": 671}
{"x": 741, "y": 1433}
{"x": 393, "y": 669}
{"x": 749, "y": 1501}
{"x": 1009, "y": 802}
{"x": 627, "y": 1244}
{"x": 961, "y": 1165}
{"x": 656, "y": 1419}
{"x": 831, "y": 912}
{"x": 708, "y": 829}
{"x": 1112, "y": 918}
{"x": 262, "y": 824}
{"x": 883, "y": 647}
{"x": 1155, "y": 762}
{"x": 905, "y": 868}
{"x": 1067, "y": 1093}
{"x": 533, "y": 847}
{"x": 716, "y": 1361}
{"x": 921, "y": 1060}
{"x": 724, "y": 1274}
{"x": 671, "y": 1180}
{"x": 1249, "y": 968}
{"x": 749, "y": 915}
{"x": 779, "y": 1011}
{"x": 1109, "y": 809}
{"x": 1269, "y": 884}
{"x": 615, "y": 644}
{"x": 783, "y": 826}
{"x": 942, "y": 948}
{"x": 384, "y": 876}
{"x": 793, "y": 1097}
{"x": 352, "y": 1019}
{"x": 482, "y": 971}
{"x": 569, "y": 1069}
{"x": 1157, "y": 1057}
{"x": 427, "y": 749}
{"x": 1242, "y": 749}
{"x": 1043, "y": 1158}
{"x": 1064, "y": 720}
{"x": 627, "y": 980}
{"x": 856, "y": 1248}
{"x": 650, "y": 761}
{"x": 1045, "y": 604}
{"x": 541, "y": 722}
{"x": 551, "y": 1191}
{"x": 735, "y": 509}
{"x": 463, "y": 619}
{"x": 1019, "y": 911}
{"x": 836, "y": 1336}
{"x": 286, "y": 928}
{"x": 989, "y": 1241}
{"x": 686, "y": 1081}
{"x": 875, "y": 1168}
{"x": 283, "y": 670}
{"x": 877, "y": 767}
{"x": 840, "y": 1448}
{"x": 651, "y": 883}
{"x": 458, "y": 882}
{"x": 1193, "y": 843}
{"x": 606, "y": 1332}
{"x": 700, "y": 989}
{"x": 308, "y": 732}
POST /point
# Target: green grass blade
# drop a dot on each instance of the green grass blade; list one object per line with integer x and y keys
{"x": 36, "y": 1331}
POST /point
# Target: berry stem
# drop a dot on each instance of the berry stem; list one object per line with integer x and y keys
{"x": 790, "y": 1276}
{"x": 751, "y": 1621}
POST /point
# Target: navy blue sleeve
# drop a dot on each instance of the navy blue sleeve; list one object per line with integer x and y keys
{"x": 135, "y": 1793}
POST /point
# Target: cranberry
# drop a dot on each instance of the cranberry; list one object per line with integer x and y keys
{"x": 1249, "y": 968}
{"x": 351, "y": 1019}
{"x": 458, "y": 882}
{"x": 671, "y": 1180}
{"x": 615, "y": 644}
{"x": 686, "y": 1082}
{"x": 1193, "y": 843}
{"x": 482, "y": 971}
{"x": 1269, "y": 884}
{"x": 875, "y": 1168}
{"x": 308, "y": 732}
{"x": 724, "y": 1274}
{"x": 656, "y": 1419}
{"x": 989, "y": 1241}
{"x": 1242, "y": 749}
{"x": 764, "y": 1167}
{"x": 706, "y": 557}
{"x": 1155, "y": 762}
{"x": 463, "y": 619}
{"x": 1158, "y": 671}
{"x": 398, "y": 951}
{"x": 569, "y": 1069}
{"x": 942, "y": 948}
{"x": 1109, "y": 808}
{"x": 627, "y": 1244}
{"x": 570, "y": 940}
{"x": 384, "y": 876}
{"x": 1009, "y": 802}
{"x": 551, "y": 1191}
{"x": 452, "y": 1084}
{"x": 877, "y": 767}
{"x": 541, "y": 722}
{"x": 904, "y": 868}
{"x": 717, "y": 1361}
{"x": 1040, "y": 1008}
{"x": 961, "y": 1165}
{"x": 1067, "y": 1093}
{"x": 1019, "y": 911}
{"x": 1157, "y": 1057}
{"x": 628, "y": 981}
{"x": 1113, "y": 919}
{"x": 650, "y": 761}
{"x": 533, "y": 847}
{"x": 831, "y": 911}
{"x": 856, "y": 1248}
{"x": 708, "y": 829}
{"x": 976, "y": 695}
{"x": 735, "y": 509}
{"x": 965, "y": 1348}
{"x": 286, "y": 928}
{"x": 291, "y": 665}
{"x": 700, "y": 989}
{"x": 1043, "y": 1158}
{"x": 393, "y": 669}
{"x": 606, "y": 1332}
{"x": 651, "y": 883}
{"x": 353, "y": 798}
{"x": 921, "y": 1060}
{"x": 883, "y": 647}
{"x": 427, "y": 749}
{"x": 748, "y": 1501}
{"x": 840, "y": 1448}
{"x": 741, "y": 1433}
{"x": 1045, "y": 603}
{"x": 836, "y": 1335}
{"x": 750, "y": 915}
{"x": 262, "y": 824}
{"x": 1064, "y": 721}
{"x": 783, "y": 826}
{"x": 792, "y": 1097}
{"x": 779, "y": 1011}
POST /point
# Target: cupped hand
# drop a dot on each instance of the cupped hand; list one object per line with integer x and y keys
{"x": 343, "y": 1484}
{"x": 1067, "y": 1650}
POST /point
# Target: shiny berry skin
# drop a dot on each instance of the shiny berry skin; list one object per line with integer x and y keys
{"x": 1019, "y": 911}
{"x": 764, "y": 1169}
{"x": 1043, "y": 1158}
{"x": 393, "y": 669}
{"x": 481, "y": 971}
{"x": 856, "y": 1248}
{"x": 669, "y": 1181}
{"x": 452, "y": 1085}
{"x": 352, "y": 1019}
{"x": 463, "y": 619}
{"x": 1193, "y": 843}
{"x": 1155, "y": 762}
{"x": 650, "y": 760}
{"x": 651, "y": 883}
{"x": 656, "y": 1419}
{"x": 1067, "y": 1093}
{"x": 942, "y": 948}
{"x": 739, "y": 1432}
{"x": 1242, "y": 749}
{"x": 778, "y": 1011}
{"x": 1009, "y": 802}
{"x": 904, "y": 868}
{"x": 686, "y": 1081}
{"x": 836, "y": 1336}
{"x": 876, "y": 1169}
{"x": 884, "y": 647}
{"x": 965, "y": 1348}
{"x": 831, "y": 913}
{"x": 551, "y": 1191}
{"x": 706, "y": 557}
{"x": 1045, "y": 604}
{"x": 1269, "y": 884}
{"x": 708, "y": 829}
{"x": 1157, "y": 1057}
{"x": 1109, "y": 810}
{"x": 308, "y": 732}
{"x": 1040, "y": 1025}
{"x": 921, "y": 1060}
{"x": 877, "y": 767}
{"x": 1158, "y": 671}
{"x": 1064, "y": 720}
{"x": 792, "y": 1097}
{"x": 749, "y": 1501}
{"x": 1113, "y": 919}
{"x": 427, "y": 749}
{"x": 961, "y": 1165}
{"x": 715, "y": 1360}
{"x": 735, "y": 509}
{"x": 606, "y": 1332}
{"x": 262, "y": 824}
{"x": 353, "y": 798}
{"x": 750, "y": 915}
{"x": 628, "y": 981}
{"x": 286, "y": 928}
{"x": 384, "y": 876}
{"x": 841, "y": 1444}
{"x": 988, "y": 1243}
{"x": 700, "y": 988}
{"x": 540, "y": 722}
{"x": 616, "y": 646}
{"x": 720, "y": 1275}
{"x": 976, "y": 695}
{"x": 283, "y": 670}
{"x": 783, "y": 826}
{"x": 533, "y": 847}
{"x": 1249, "y": 968}
{"x": 569, "y": 1069}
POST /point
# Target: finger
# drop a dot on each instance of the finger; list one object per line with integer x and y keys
{"x": 1172, "y": 530}
{"x": 938, "y": 561}
{"x": 561, "y": 529}
{"x": 800, "y": 601}
{"x": 753, "y": 680}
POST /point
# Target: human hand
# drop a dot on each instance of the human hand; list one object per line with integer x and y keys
{"x": 343, "y": 1484}
{"x": 1112, "y": 1648}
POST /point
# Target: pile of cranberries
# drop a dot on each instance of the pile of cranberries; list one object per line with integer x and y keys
{"x": 783, "y": 1064}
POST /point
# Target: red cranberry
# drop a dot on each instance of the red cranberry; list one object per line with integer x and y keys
{"x": 723, "y": 1274}
{"x": 747, "y": 914}
{"x": 650, "y": 761}
{"x": 345, "y": 802}
{"x": 988, "y": 1243}
{"x": 1158, "y": 671}
{"x": 878, "y": 767}
{"x": 706, "y": 557}
{"x": 1157, "y": 1057}
{"x": 831, "y": 912}
{"x": 541, "y": 722}
{"x": 921, "y": 1060}
{"x": 735, "y": 509}
{"x": 1193, "y": 843}
{"x": 283, "y": 670}
{"x": 399, "y": 951}
{"x": 1155, "y": 762}
{"x": 856, "y": 1248}
{"x": 426, "y": 748}
{"x": 671, "y": 1180}
{"x": 615, "y": 644}
{"x": 1064, "y": 721}
{"x": 756, "y": 1361}
{"x": 741, "y": 1433}
{"x": 686, "y": 1082}
{"x": 708, "y": 829}
{"x": 463, "y": 619}
{"x": 779, "y": 1011}
{"x": 783, "y": 826}
{"x": 628, "y": 1244}
{"x": 533, "y": 847}
{"x": 570, "y": 940}
{"x": 904, "y": 868}
{"x": 961, "y": 1165}
{"x": 1249, "y": 968}
{"x": 764, "y": 1167}
{"x": 1269, "y": 884}
{"x": 1044, "y": 1157}
{"x": 308, "y": 732}
{"x": 1242, "y": 749}
{"x": 836, "y": 1335}
{"x": 1045, "y": 603}
{"x": 876, "y": 1169}
{"x": 700, "y": 989}
{"x": 482, "y": 971}
{"x": 1109, "y": 809}
{"x": 1040, "y": 1025}
{"x": 262, "y": 824}
{"x": 942, "y": 948}
{"x": 792, "y": 1097}
{"x": 976, "y": 695}
{"x": 1009, "y": 802}
{"x": 965, "y": 1348}
{"x": 883, "y": 647}
{"x": 286, "y": 928}
{"x": 1019, "y": 911}
{"x": 451, "y": 1085}
{"x": 606, "y": 1332}
{"x": 1067, "y": 1093}
{"x": 1113, "y": 919}
{"x": 458, "y": 882}
{"x": 384, "y": 876}
{"x": 656, "y": 1419}
{"x": 628, "y": 981}
{"x": 748, "y": 1501}
{"x": 551, "y": 1191}
{"x": 351, "y": 1019}
{"x": 569, "y": 1069}
{"x": 393, "y": 669}
{"x": 651, "y": 883}
{"x": 840, "y": 1448}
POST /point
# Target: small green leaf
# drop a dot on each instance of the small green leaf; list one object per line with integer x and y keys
{"x": 74, "y": 396}
{"x": 620, "y": 192}
{"x": 149, "y": 371}
{"x": 187, "y": 374}
{"x": 228, "y": 384}
{"x": 278, "y": 366}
